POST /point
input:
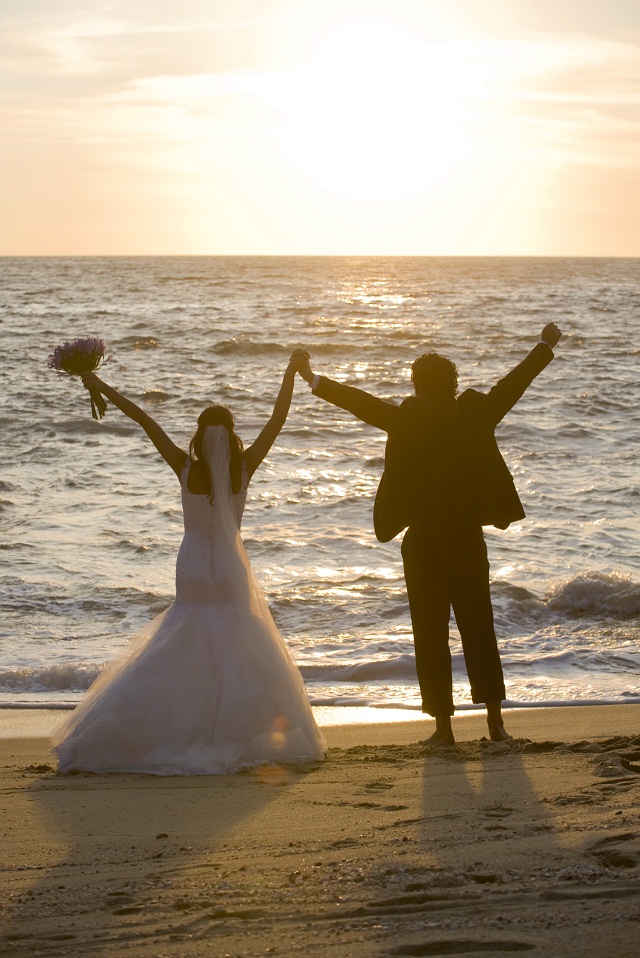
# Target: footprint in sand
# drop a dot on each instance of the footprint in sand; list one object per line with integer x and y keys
{"x": 497, "y": 811}
{"x": 343, "y": 843}
{"x": 618, "y": 851}
{"x": 464, "y": 947}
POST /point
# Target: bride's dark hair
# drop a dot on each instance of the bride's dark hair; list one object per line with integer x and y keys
{"x": 220, "y": 416}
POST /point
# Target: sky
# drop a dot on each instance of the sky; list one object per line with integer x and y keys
{"x": 359, "y": 127}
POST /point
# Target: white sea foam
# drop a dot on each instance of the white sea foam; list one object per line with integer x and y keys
{"x": 597, "y": 594}
{"x": 53, "y": 678}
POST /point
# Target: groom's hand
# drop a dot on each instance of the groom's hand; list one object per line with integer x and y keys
{"x": 305, "y": 371}
{"x": 550, "y": 334}
{"x": 298, "y": 357}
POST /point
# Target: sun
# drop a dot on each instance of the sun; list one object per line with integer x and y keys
{"x": 377, "y": 114}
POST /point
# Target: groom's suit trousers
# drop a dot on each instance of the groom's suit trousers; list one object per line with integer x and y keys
{"x": 447, "y": 568}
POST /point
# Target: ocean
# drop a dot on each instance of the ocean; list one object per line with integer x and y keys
{"x": 91, "y": 519}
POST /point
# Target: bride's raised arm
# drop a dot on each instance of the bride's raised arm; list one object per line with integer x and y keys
{"x": 172, "y": 454}
{"x": 256, "y": 452}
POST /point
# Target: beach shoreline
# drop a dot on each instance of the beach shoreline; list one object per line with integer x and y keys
{"x": 385, "y": 848}
{"x": 346, "y": 725}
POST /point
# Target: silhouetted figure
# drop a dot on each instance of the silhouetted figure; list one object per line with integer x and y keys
{"x": 208, "y": 687}
{"x": 444, "y": 479}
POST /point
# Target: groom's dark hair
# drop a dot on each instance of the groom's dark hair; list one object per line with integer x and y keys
{"x": 435, "y": 376}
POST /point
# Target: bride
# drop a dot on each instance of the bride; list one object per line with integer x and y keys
{"x": 208, "y": 687}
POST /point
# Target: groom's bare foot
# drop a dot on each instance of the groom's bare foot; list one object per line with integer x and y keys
{"x": 498, "y": 733}
{"x": 441, "y": 737}
{"x": 443, "y": 734}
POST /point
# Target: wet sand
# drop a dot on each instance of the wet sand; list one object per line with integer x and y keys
{"x": 385, "y": 848}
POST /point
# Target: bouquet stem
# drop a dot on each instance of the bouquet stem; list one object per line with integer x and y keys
{"x": 98, "y": 404}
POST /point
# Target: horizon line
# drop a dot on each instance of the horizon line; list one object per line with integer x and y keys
{"x": 521, "y": 256}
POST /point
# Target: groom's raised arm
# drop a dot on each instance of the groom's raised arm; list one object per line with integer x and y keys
{"x": 506, "y": 393}
{"x": 376, "y": 412}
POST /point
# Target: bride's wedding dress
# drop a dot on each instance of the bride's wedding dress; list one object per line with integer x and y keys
{"x": 208, "y": 687}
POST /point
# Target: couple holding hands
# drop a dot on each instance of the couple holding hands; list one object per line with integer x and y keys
{"x": 209, "y": 687}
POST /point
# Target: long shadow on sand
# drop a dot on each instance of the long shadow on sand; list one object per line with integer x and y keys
{"x": 506, "y": 859}
{"x": 123, "y": 852}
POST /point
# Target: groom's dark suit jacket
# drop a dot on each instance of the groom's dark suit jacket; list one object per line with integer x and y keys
{"x": 442, "y": 463}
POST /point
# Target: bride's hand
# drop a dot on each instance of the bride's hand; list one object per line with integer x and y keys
{"x": 90, "y": 381}
{"x": 298, "y": 358}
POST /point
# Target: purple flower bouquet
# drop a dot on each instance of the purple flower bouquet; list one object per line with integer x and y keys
{"x": 78, "y": 357}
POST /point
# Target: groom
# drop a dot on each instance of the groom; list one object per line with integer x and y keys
{"x": 444, "y": 478}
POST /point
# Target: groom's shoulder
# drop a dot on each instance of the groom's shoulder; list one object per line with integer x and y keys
{"x": 411, "y": 407}
{"x": 471, "y": 399}
{"x": 475, "y": 407}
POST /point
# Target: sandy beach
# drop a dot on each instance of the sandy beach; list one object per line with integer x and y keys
{"x": 385, "y": 848}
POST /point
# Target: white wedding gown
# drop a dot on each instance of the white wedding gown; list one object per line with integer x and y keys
{"x": 208, "y": 687}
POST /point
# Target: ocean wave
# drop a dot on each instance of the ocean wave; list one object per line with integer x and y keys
{"x": 246, "y": 347}
{"x": 597, "y": 594}
{"x": 139, "y": 342}
{"x": 395, "y": 675}
{"x": 197, "y": 278}
{"x": 615, "y": 661}
{"x": 80, "y": 425}
{"x": 47, "y": 291}
{"x": 400, "y": 667}
{"x": 587, "y": 595}
{"x": 111, "y": 603}
{"x": 52, "y": 678}
{"x": 328, "y": 700}
{"x": 156, "y": 395}
{"x": 324, "y": 700}
{"x": 516, "y": 593}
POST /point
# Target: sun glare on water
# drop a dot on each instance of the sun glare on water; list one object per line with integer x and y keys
{"x": 377, "y": 114}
